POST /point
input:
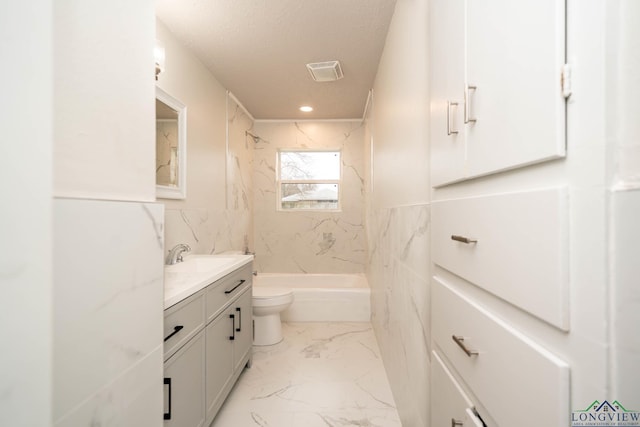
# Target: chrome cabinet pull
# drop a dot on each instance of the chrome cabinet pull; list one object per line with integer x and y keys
{"x": 449, "y": 126}
{"x": 463, "y": 239}
{"x": 460, "y": 341}
{"x": 467, "y": 104}
{"x": 455, "y": 422}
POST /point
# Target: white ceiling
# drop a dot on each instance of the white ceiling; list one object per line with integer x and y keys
{"x": 258, "y": 50}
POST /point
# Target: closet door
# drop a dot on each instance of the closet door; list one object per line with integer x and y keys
{"x": 447, "y": 84}
{"x": 515, "y": 55}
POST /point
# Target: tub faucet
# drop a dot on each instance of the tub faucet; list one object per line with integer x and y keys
{"x": 175, "y": 254}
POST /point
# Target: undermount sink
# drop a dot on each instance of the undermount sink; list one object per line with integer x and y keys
{"x": 200, "y": 264}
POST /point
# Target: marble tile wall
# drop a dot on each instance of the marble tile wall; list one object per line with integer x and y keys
{"x": 308, "y": 241}
{"x": 107, "y": 313}
{"x": 398, "y": 273}
{"x": 208, "y": 228}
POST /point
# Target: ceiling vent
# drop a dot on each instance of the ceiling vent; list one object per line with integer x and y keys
{"x": 325, "y": 71}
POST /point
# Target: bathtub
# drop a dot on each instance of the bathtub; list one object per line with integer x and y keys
{"x": 322, "y": 297}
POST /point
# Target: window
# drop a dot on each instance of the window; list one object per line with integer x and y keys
{"x": 309, "y": 180}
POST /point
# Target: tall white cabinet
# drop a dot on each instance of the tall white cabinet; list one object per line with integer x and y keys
{"x": 497, "y": 91}
{"x": 520, "y": 213}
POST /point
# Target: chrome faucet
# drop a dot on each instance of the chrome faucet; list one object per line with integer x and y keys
{"x": 175, "y": 254}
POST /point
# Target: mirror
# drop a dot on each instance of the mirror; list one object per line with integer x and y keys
{"x": 171, "y": 147}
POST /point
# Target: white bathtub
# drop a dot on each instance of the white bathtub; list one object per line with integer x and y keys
{"x": 322, "y": 297}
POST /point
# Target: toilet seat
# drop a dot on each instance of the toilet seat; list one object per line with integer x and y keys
{"x": 270, "y": 296}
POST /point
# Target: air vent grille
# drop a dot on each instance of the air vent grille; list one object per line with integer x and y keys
{"x": 325, "y": 71}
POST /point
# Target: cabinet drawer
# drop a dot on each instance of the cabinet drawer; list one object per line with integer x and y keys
{"x": 520, "y": 253}
{"x": 226, "y": 289}
{"x": 516, "y": 380}
{"x": 450, "y": 406}
{"x": 182, "y": 321}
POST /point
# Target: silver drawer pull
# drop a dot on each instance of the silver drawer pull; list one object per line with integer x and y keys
{"x": 463, "y": 239}
{"x": 450, "y": 130}
{"x": 459, "y": 340}
{"x": 455, "y": 422}
{"x": 467, "y": 104}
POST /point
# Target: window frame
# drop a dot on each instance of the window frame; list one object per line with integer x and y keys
{"x": 280, "y": 181}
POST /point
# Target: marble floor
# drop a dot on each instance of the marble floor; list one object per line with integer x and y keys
{"x": 321, "y": 374}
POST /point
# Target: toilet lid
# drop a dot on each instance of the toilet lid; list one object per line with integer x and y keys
{"x": 270, "y": 292}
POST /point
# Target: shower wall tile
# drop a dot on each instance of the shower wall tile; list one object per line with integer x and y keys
{"x": 306, "y": 241}
{"x": 107, "y": 323}
{"x": 398, "y": 273}
{"x": 239, "y": 158}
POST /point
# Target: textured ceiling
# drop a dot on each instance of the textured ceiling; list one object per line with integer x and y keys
{"x": 258, "y": 50}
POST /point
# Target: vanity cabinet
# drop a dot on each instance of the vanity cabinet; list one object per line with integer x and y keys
{"x": 184, "y": 366}
{"x": 184, "y": 385}
{"x": 497, "y": 100}
{"x": 230, "y": 335}
{"x": 208, "y": 340}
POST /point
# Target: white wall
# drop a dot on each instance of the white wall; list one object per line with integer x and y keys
{"x": 103, "y": 104}
{"x": 107, "y": 241}
{"x": 25, "y": 226}
{"x": 398, "y": 209}
{"x": 208, "y": 220}
{"x": 401, "y": 154}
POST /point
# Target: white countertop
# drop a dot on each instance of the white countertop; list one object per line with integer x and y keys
{"x": 180, "y": 285}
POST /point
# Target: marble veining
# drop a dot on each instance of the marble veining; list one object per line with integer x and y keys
{"x": 226, "y": 226}
{"x": 309, "y": 241}
{"x": 321, "y": 374}
{"x": 398, "y": 273}
{"x": 106, "y": 367}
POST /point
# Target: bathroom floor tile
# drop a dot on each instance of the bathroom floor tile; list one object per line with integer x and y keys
{"x": 321, "y": 374}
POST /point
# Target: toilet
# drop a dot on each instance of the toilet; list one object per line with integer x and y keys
{"x": 268, "y": 302}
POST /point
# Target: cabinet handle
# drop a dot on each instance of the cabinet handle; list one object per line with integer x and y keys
{"x": 463, "y": 239}
{"x": 239, "y": 328}
{"x": 449, "y": 125}
{"x": 459, "y": 340}
{"x": 175, "y": 331}
{"x": 235, "y": 287}
{"x": 233, "y": 327}
{"x": 167, "y": 415}
{"x": 467, "y": 104}
{"x": 455, "y": 422}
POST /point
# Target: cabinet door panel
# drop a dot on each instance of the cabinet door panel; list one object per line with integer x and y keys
{"x": 447, "y": 84}
{"x": 515, "y": 54}
{"x": 186, "y": 371}
{"x": 219, "y": 363}
{"x": 244, "y": 328}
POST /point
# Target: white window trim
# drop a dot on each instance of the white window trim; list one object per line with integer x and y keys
{"x": 280, "y": 181}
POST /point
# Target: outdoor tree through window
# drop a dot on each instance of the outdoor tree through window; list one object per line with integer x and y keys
{"x": 309, "y": 180}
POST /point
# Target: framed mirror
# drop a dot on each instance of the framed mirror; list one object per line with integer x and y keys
{"x": 171, "y": 147}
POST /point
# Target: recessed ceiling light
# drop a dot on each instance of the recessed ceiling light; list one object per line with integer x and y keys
{"x": 306, "y": 109}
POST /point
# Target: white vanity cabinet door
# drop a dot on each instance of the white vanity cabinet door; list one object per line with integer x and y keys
{"x": 447, "y": 91}
{"x": 244, "y": 329}
{"x": 515, "y": 55}
{"x": 184, "y": 396}
{"x": 219, "y": 364}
